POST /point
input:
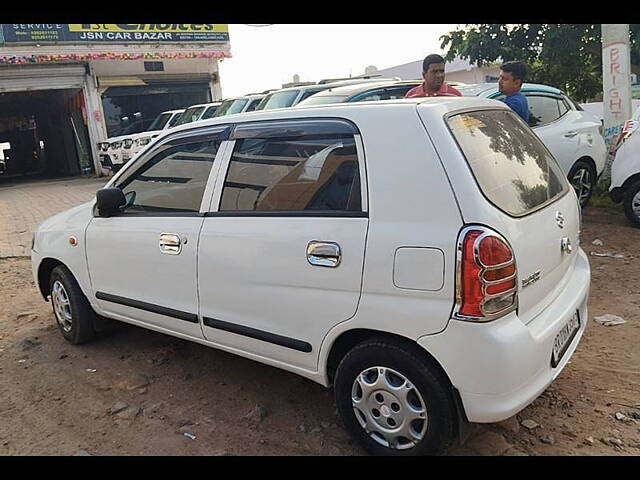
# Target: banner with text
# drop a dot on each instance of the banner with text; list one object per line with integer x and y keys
{"x": 82, "y": 33}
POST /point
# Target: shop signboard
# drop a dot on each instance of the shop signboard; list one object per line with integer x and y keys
{"x": 40, "y": 33}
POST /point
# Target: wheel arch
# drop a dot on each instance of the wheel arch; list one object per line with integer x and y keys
{"x": 44, "y": 273}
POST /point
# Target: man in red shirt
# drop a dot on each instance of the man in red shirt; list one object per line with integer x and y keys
{"x": 433, "y": 74}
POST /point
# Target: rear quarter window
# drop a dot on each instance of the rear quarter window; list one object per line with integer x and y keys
{"x": 512, "y": 167}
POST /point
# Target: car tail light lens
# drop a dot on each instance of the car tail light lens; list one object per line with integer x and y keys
{"x": 487, "y": 275}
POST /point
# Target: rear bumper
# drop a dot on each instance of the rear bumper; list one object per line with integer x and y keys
{"x": 500, "y": 367}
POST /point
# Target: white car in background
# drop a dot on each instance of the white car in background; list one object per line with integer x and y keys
{"x": 132, "y": 144}
{"x": 198, "y": 112}
{"x": 625, "y": 171}
{"x": 421, "y": 256}
{"x": 573, "y": 136}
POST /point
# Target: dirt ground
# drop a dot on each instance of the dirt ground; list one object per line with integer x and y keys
{"x": 137, "y": 392}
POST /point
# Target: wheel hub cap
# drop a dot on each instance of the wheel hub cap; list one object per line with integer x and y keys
{"x": 635, "y": 204}
{"x": 61, "y": 306}
{"x": 389, "y": 408}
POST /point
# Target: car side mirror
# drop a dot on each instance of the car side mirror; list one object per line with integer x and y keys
{"x": 109, "y": 201}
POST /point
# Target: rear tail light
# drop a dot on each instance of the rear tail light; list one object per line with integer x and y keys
{"x": 486, "y": 276}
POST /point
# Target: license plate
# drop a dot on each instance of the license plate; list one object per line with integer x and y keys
{"x": 564, "y": 337}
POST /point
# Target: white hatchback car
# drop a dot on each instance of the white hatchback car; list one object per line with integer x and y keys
{"x": 421, "y": 256}
{"x": 572, "y": 135}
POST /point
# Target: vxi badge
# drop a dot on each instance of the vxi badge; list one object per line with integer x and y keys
{"x": 531, "y": 279}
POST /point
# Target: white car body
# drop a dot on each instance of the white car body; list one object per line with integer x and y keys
{"x": 625, "y": 170}
{"x": 574, "y": 136}
{"x": 398, "y": 267}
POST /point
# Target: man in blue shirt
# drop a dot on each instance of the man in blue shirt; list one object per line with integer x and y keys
{"x": 511, "y": 78}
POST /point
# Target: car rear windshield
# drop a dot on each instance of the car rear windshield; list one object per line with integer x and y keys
{"x": 322, "y": 100}
{"x": 279, "y": 100}
{"x": 160, "y": 121}
{"x": 513, "y": 168}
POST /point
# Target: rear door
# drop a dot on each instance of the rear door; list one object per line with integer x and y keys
{"x": 517, "y": 189}
{"x": 281, "y": 253}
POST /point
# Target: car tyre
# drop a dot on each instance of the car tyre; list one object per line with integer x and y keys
{"x": 631, "y": 202}
{"x": 582, "y": 177}
{"x": 392, "y": 401}
{"x": 73, "y": 314}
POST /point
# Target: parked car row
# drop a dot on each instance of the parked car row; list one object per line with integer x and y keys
{"x": 117, "y": 151}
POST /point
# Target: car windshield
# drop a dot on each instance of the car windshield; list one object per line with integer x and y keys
{"x": 231, "y": 106}
{"x": 190, "y": 115}
{"x": 279, "y": 100}
{"x": 322, "y": 99}
{"x": 174, "y": 120}
{"x": 160, "y": 121}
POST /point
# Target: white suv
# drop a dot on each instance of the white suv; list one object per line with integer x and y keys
{"x": 420, "y": 256}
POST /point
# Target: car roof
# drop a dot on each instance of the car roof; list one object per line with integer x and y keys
{"x": 485, "y": 89}
{"x": 441, "y": 104}
{"x": 249, "y": 96}
{"x": 213, "y": 104}
{"x": 349, "y": 90}
{"x": 180, "y": 110}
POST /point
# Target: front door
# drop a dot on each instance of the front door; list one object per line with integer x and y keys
{"x": 281, "y": 255}
{"x": 142, "y": 261}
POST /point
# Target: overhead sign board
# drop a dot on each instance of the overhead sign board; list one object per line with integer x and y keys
{"x": 82, "y": 33}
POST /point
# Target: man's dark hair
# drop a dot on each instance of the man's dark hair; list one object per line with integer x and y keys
{"x": 429, "y": 59}
{"x": 518, "y": 70}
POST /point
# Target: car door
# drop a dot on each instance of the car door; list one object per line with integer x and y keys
{"x": 281, "y": 252}
{"x": 142, "y": 261}
{"x": 557, "y": 125}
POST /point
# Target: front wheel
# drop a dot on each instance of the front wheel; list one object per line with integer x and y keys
{"x": 631, "y": 202}
{"x": 392, "y": 401}
{"x": 71, "y": 308}
{"x": 582, "y": 177}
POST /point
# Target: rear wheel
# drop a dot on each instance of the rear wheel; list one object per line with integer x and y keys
{"x": 631, "y": 203}
{"x": 392, "y": 401}
{"x": 582, "y": 177}
{"x": 71, "y": 308}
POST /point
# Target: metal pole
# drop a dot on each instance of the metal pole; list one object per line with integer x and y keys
{"x": 616, "y": 79}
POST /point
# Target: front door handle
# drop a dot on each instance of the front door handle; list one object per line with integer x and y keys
{"x": 571, "y": 134}
{"x": 324, "y": 254}
{"x": 170, "y": 243}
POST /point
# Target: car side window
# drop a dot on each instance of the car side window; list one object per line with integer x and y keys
{"x": 209, "y": 113}
{"x": 173, "y": 180}
{"x": 301, "y": 174}
{"x": 543, "y": 109}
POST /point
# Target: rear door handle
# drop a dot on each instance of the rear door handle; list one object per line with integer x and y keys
{"x": 324, "y": 254}
{"x": 170, "y": 243}
{"x": 571, "y": 134}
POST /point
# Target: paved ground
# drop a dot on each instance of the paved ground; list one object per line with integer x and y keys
{"x": 23, "y": 205}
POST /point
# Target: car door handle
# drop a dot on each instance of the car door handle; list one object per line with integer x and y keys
{"x": 571, "y": 134}
{"x": 324, "y": 254}
{"x": 170, "y": 243}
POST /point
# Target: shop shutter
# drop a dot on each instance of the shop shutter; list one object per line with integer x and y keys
{"x": 41, "y": 77}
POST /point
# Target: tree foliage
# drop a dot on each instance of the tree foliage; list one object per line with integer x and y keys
{"x": 567, "y": 56}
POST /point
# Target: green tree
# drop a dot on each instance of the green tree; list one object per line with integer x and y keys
{"x": 568, "y": 56}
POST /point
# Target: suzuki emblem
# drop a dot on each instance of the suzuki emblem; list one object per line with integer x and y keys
{"x": 560, "y": 219}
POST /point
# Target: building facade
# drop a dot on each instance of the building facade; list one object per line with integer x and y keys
{"x": 66, "y": 87}
{"x": 457, "y": 70}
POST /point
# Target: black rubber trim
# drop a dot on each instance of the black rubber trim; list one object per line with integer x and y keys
{"x": 302, "y": 213}
{"x": 258, "y": 334}
{"x": 294, "y": 128}
{"x": 149, "y": 307}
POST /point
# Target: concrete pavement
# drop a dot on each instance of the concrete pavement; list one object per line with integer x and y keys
{"x": 24, "y": 205}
